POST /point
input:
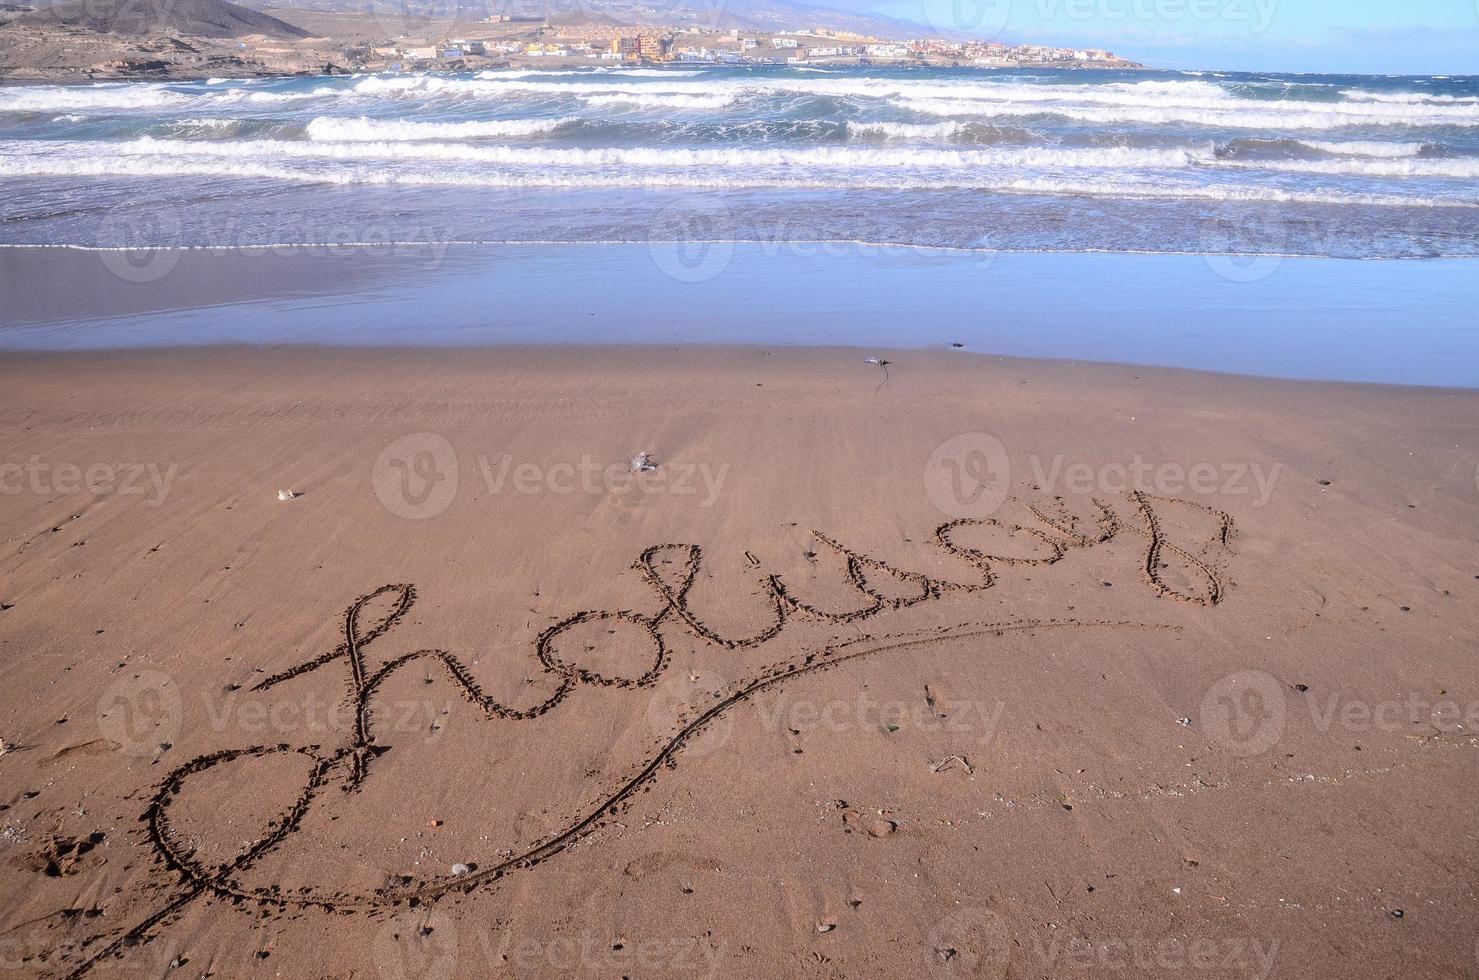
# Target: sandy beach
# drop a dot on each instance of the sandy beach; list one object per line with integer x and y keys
{"x": 959, "y": 666}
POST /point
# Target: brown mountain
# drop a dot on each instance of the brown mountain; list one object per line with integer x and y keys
{"x": 193, "y": 18}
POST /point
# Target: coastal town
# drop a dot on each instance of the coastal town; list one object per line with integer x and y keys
{"x": 216, "y": 38}
{"x": 502, "y": 42}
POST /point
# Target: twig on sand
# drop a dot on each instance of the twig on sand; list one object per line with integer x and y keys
{"x": 883, "y": 364}
{"x": 944, "y": 764}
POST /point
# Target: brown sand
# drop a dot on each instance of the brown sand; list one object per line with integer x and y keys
{"x": 1235, "y": 737}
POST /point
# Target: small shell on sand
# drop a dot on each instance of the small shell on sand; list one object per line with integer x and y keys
{"x": 461, "y": 869}
{"x": 286, "y": 494}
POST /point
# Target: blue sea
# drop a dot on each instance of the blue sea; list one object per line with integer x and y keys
{"x": 1054, "y": 160}
{"x": 1306, "y": 226}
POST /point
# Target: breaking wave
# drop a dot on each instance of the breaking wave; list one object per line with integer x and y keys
{"x": 362, "y": 129}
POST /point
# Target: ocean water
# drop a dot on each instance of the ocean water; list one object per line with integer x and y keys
{"x": 991, "y": 160}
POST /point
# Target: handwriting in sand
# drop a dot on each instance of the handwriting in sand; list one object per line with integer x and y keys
{"x": 347, "y": 765}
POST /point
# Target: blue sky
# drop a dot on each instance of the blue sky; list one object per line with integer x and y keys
{"x": 1359, "y": 36}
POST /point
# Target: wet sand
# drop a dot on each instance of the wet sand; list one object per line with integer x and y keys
{"x": 1405, "y": 322}
{"x": 970, "y": 667}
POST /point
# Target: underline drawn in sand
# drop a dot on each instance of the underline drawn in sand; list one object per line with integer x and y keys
{"x": 335, "y": 773}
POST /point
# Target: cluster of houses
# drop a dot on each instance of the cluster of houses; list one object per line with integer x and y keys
{"x": 604, "y": 42}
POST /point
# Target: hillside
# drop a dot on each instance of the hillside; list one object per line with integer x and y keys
{"x": 191, "y": 18}
{"x": 753, "y": 15}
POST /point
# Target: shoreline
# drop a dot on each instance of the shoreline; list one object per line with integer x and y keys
{"x": 897, "y": 357}
{"x": 770, "y": 244}
{"x": 1254, "y": 316}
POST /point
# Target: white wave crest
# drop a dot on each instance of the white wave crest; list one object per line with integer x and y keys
{"x": 363, "y": 129}
{"x": 643, "y": 100}
{"x": 909, "y": 131}
{"x": 1367, "y": 148}
{"x": 1096, "y": 187}
{"x": 1260, "y": 115}
{"x": 1463, "y": 168}
{"x": 67, "y": 98}
{"x": 1407, "y": 98}
{"x": 725, "y": 158}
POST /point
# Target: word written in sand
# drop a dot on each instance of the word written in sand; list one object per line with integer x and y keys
{"x": 670, "y": 571}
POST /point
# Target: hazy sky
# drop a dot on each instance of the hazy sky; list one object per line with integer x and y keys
{"x": 1367, "y": 36}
